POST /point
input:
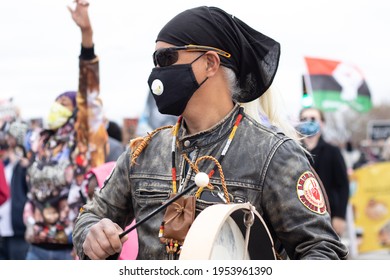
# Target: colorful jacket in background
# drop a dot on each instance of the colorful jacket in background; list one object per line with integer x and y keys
{"x": 81, "y": 142}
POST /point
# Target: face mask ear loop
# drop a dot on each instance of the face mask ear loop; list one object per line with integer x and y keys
{"x": 196, "y": 60}
{"x": 203, "y": 81}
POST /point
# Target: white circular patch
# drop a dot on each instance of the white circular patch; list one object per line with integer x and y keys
{"x": 310, "y": 194}
{"x": 157, "y": 87}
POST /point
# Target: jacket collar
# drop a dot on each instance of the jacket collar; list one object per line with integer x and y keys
{"x": 210, "y": 136}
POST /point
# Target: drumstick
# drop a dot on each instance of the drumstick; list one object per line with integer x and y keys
{"x": 157, "y": 210}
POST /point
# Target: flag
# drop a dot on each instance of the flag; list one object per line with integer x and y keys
{"x": 333, "y": 84}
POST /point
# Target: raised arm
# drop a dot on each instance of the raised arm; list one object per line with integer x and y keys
{"x": 92, "y": 138}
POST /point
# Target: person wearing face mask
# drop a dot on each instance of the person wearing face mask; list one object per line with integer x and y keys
{"x": 210, "y": 70}
{"x": 73, "y": 141}
{"x": 12, "y": 243}
{"x": 329, "y": 163}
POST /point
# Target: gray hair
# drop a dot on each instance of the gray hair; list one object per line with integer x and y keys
{"x": 266, "y": 105}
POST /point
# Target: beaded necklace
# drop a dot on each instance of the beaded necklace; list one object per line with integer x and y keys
{"x": 175, "y": 133}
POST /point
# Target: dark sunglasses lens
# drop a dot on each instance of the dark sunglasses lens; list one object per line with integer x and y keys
{"x": 165, "y": 57}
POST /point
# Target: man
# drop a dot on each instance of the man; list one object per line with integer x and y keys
{"x": 330, "y": 166}
{"x": 202, "y": 77}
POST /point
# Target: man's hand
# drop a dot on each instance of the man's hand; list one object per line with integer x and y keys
{"x": 81, "y": 18}
{"x": 80, "y": 14}
{"x": 103, "y": 240}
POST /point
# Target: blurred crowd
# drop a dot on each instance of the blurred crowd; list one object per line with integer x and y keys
{"x": 50, "y": 167}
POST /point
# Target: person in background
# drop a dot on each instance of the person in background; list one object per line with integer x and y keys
{"x": 13, "y": 245}
{"x": 116, "y": 147}
{"x": 368, "y": 154}
{"x": 205, "y": 79}
{"x": 75, "y": 139}
{"x": 351, "y": 156}
{"x": 114, "y": 130}
{"x": 385, "y": 153}
{"x": 328, "y": 162}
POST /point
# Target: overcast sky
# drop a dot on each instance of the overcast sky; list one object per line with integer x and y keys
{"x": 40, "y": 44}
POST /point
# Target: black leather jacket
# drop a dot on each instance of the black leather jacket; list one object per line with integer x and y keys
{"x": 261, "y": 166}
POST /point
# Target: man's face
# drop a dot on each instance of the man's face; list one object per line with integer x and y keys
{"x": 186, "y": 57}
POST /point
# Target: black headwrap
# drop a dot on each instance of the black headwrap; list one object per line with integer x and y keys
{"x": 254, "y": 59}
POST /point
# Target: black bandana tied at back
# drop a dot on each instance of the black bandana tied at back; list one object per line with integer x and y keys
{"x": 254, "y": 56}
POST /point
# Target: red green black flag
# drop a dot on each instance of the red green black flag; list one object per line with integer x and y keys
{"x": 335, "y": 83}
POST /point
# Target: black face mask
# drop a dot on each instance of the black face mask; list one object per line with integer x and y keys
{"x": 172, "y": 87}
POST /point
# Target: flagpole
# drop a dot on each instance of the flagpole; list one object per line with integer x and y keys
{"x": 307, "y": 82}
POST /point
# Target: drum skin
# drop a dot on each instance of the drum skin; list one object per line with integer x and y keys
{"x": 229, "y": 244}
{"x": 219, "y": 233}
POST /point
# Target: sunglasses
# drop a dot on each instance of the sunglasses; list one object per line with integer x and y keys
{"x": 168, "y": 56}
